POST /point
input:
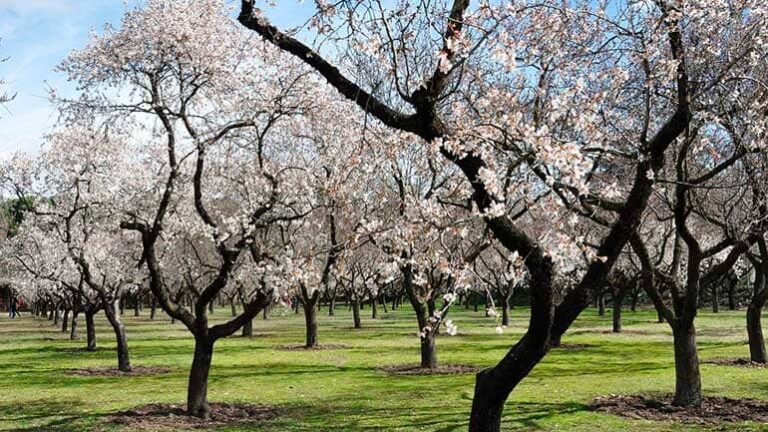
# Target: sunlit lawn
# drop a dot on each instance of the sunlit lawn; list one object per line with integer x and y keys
{"x": 342, "y": 389}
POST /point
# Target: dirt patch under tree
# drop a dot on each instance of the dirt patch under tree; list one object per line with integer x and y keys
{"x": 740, "y": 362}
{"x": 173, "y": 417}
{"x": 714, "y": 409}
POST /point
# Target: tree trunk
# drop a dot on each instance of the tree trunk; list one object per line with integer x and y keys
{"x": 356, "y": 314}
{"x": 687, "y": 375}
{"x": 197, "y": 390}
{"x": 428, "y": 351}
{"x": 505, "y": 310}
{"x": 153, "y": 309}
{"x": 233, "y": 306}
{"x": 757, "y": 351}
{"x": 635, "y": 298}
{"x": 137, "y": 306}
{"x": 265, "y": 312}
{"x": 732, "y": 296}
{"x": 715, "y": 297}
{"x": 374, "y": 308}
{"x": 493, "y": 385}
{"x": 310, "y": 319}
{"x": 617, "y": 299}
{"x": 557, "y": 340}
{"x": 65, "y": 321}
{"x": 73, "y": 331}
{"x": 248, "y": 329}
{"x": 123, "y": 357}
{"x": 90, "y": 330}
{"x": 754, "y": 326}
{"x": 601, "y": 303}
{"x": 332, "y": 306}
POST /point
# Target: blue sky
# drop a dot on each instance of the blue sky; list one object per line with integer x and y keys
{"x": 36, "y": 35}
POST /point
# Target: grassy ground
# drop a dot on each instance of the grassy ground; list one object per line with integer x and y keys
{"x": 342, "y": 390}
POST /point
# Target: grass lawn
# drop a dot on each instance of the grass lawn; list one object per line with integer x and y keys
{"x": 343, "y": 390}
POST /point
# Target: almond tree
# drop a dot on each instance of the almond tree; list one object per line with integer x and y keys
{"x": 70, "y": 238}
{"x": 571, "y": 94}
{"x": 216, "y": 172}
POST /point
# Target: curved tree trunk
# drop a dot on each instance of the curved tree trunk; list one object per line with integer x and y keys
{"x": 197, "y": 389}
{"x": 123, "y": 356}
{"x": 493, "y": 385}
{"x": 687, "y": 374}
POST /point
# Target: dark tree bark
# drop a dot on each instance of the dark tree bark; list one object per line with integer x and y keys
{"x": 617, "y": 298}
{"x": 356, "y": 314}
{"x": 310, "y": 321}
{"x": 715, "y": 297}
{"x": 429, "y": 351}
{"x": 757, "y": 352}
{"x": 731, "y": 296}
{"x": 73, "y": 331}
{"x": 265, "y": 312}
{"x": 153, "y": 309}
{"x": 309, "y": 302}
{"x": 65, "y": 321}
{"x": 90, "y": 330}
{"x": 123, "y": 356}
{"x": 374, "y": 307}
{"x": 601, "y": 303}
{"x": 332, "y": 306}
{"x": 687, "y": 375}
{"x": 197, "y": 389}
{"x": 635, "y": 298}
{"x": 247, "y": 329}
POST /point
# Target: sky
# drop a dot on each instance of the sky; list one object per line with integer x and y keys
{"x": 35, "y": 36}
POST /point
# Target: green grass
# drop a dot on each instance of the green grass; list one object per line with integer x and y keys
{"x": 342, "y": 390}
